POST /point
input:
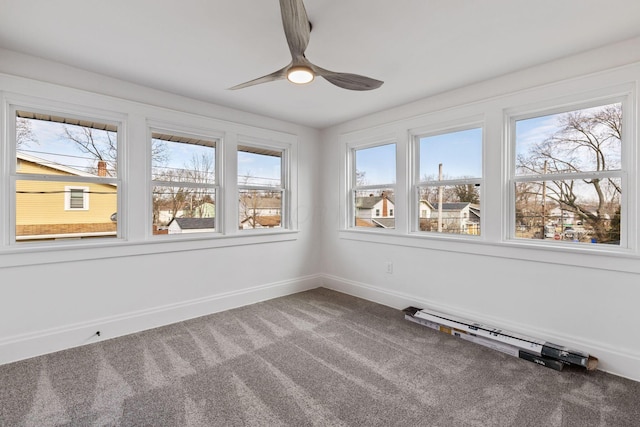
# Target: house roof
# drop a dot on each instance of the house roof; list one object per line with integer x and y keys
{"x": 194, "y": 223}
{"x": 52, "y": 165}
{"x": 369, "y": 202}
{"x": 265, "y": 220}
{"x": 456, "y": 206}
{"x": 384, "y": 222}
{"x": 474, "y": 212}
{"x": 364, "y": 223}
{"x": 58, "y": 167}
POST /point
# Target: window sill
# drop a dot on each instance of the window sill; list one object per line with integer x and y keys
{"x": 19, "y": 255}
{"x": 602, "y": 258}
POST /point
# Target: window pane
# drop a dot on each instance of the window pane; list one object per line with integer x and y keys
{"x": 182, "y": 159}
{"x": 451, "y": 155}
{"x": 375, "y": 208}
{"x": 260, "y": 209}
{"x": 261, "y": 167}
{"x": 58, "y": 146}
{"x": 76, "y": 199}
{"x": 586, "y": 140}
{"x": 376, "y": 165}
{"x": 586, "y": 211}
{"x": 41, "y": 211}
{"x": 453, "y": 209}
{"x": 183, "y": 210}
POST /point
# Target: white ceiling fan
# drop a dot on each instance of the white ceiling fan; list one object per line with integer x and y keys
{"x": 300, "y": 70}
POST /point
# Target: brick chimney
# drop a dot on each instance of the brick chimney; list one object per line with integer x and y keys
{"x": 384, "y": 204}
{"x": 102, "y": 168}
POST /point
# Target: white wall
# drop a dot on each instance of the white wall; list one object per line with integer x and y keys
{"x": 132, "y": 285}
{"x": 585, "y": 301}
{"x": 589, "y": 305}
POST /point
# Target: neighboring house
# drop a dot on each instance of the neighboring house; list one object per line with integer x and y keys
{"x": 205, "y": 210}
{"x": 260, "y": 212}
{"x": 457, "y": 217}
{"x": 375, "y": 211}
{"x": 58, "y": 209}
{"x": 560, "y": 217}
{"x": 268, "y": 221}
{"x": 191, "y": 225}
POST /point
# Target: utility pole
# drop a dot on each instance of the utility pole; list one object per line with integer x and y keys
{"x": 440, "y": 199}
{"x": 544, "y": 201}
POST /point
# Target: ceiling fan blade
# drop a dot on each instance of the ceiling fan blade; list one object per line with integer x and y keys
{"x": 347, "y": 80}
{"x": 296, "y": 26}
{"x": 276, "y": 75}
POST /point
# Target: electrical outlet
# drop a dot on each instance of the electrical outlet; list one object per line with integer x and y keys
{"x": 389, "y": 267}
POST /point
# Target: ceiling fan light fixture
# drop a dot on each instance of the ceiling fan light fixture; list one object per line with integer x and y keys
{"x": 297, "y": 30}
{"x": 300, "y": 75}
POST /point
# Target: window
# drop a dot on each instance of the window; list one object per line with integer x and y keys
{"x": 76, "y": 198}
{"x": 62, "y": 162}
{"x": 262, "y": 184}
{"x": 567, "y": 179}
{"x": 373, "y": 182}
{"x": 448, "y": 182}
{"x": 184, "y": 183}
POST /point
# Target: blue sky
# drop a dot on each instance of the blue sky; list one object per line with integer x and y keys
{"x": 534, "y": 130}
{"x": 460, "y": 154}
{"x": 53, "y": 146}
{"x": 259, "y": 169}
{"x": 378, "y": 164}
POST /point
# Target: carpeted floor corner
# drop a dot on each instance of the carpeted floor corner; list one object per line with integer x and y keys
{"x": 317, "y": 358}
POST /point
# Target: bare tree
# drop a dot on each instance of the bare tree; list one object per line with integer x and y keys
{"x": 450, "y": 193}
{"x": 103, "y": 145}
{"x": 100, "y": 145}
{"x": 201, "y": 169}
{"x": 467, "y": 193}
{"x": 586, "y": 141}
{"x": 249, "y": 200}
{"x": 24, "y": 133}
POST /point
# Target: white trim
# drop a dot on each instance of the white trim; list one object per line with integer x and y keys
{"x": 288, "y": 178}
{"x": 134, "y": 119}
{"x": 34, "y": 253}
{"x": 21, "y": 347}
{"x": 495, "y": 203}
{"x": 213, "y": 136}
{"x": 352, "y": 185}
{"x": 619, "y": 363}
{"x": 68, "y": 189}
{"x": 621, "y": 93}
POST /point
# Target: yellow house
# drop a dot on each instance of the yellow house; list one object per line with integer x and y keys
{"x": 58, "y": 209}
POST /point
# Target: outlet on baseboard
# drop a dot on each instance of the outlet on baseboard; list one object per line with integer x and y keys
{"x": 389, "y": 266}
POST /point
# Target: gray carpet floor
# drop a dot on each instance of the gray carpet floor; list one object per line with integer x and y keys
{"x": 316, "y": 358}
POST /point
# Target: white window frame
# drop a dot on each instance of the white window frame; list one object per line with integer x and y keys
{"x": 134, "y": 211}
{"x": 14, "y": 103}
{"x": 463, "y": 124}
{"x": 287, "y": 179}
{"x": 210, "y": 135}
{"x": 68, "y": 190}
{"x": 353, "y": 187}
{"x": 622, "y": 94}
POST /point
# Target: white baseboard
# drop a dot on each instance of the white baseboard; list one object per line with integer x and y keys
{"x": 614, "y": 361}
{"x": 47, "y": 341}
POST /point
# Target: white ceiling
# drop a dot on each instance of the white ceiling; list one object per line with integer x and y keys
{"x": 199, "y": 48}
